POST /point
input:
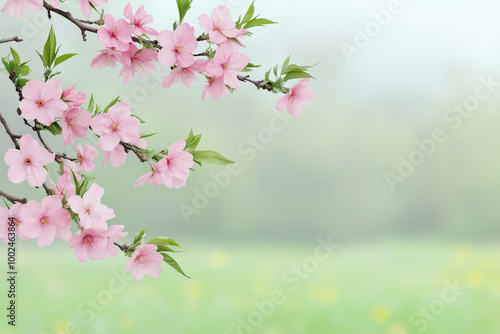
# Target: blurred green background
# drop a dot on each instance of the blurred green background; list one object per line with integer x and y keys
{"x": 400, "y": 251}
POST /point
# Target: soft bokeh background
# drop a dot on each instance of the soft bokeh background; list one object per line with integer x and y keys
{"x": 322, "y": 176}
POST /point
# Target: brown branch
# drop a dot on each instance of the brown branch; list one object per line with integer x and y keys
{"x": 12, "y": 136}
{"x": 203, "y": 54}
{"x": 11, "y": 39}
{"x": 128, "y": 147}
{"x": 259, "y": 84}
{"x": 13, "y": 199}
{"x": 82, "y": 25}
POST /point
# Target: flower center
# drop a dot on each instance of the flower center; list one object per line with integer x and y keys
{"x": 44, "y": 220}
{"x": 88, "y": 239}
{"x": 179, "y": 49}
{"x": 40, "y": 103}
{"x": 28, "y": 161}
{"x": 115, "y": 126}
{"x": 88, "y": 208}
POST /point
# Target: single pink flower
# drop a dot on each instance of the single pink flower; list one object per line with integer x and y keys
{"x": 106, "y": 58}
{"x": 89, "y": 208}
{"x": 18, "y": 7}
{"x": 177, "y": 46}
{"x": 139, "y": 21}
{"x": 145, "y": 261}
{"x": 114, "y": 126}
{"x": 118, "y": 156}
{"x": 215, "y": 87}
{"x": 85, "y": 5}
{"x": 299, "y": 95}
{"x": 175, "y": 166}
{"x": 185, "y": 74}
{"x": 220, "y": 25}
{"x": 85, "y": 156}
{"x": 153, "y": 177}
{"x": 64, "y": 187}
{"x": 72, "y": 98}
{"x": 75, "y": 123}
{"x": 42, "y": 101}
{"x": 71, "y": 168}
{"x": 114, "y": 234}
{"x": 115, "y": 34}
{"x": 45, "y": 221}
{"x": 90, "y": 243}
{"x": 226, "y": 63}
{"x": 6, "y": 215}
{"x": 27, "y": 162}
{"x": 140, "y": 61}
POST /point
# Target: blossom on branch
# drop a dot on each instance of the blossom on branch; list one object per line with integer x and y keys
{"x": 140, "y": 61}
{"x": 42, "y": 101}
{"x": 18, "y": 7}
{"x": 72, "y": 98}
{"x": 185, "y": 74}
{"x": 28, "y": 162}
{"x": 89, "y": 208}
{"x": 85, "y": 156}
{"x": 220, "y": 25}
{"x": 299, "y": 95}
{"x": 86, "y": 8}
{"x": 106, "y": 58}
{"x": 139, "y": 21}
{"x": 226, "y": 63}
{"x": 177, "y": 46}
{"x": 115, "y": 34}
{"x": 145, "y": 261}
{"x": 6, "y": 215}
{"x": 90, "y": 243}
{"x": 75, "y": 123}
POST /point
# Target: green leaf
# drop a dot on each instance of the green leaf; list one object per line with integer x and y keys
{"x": 171, "y": 262}
{"x": 23, "y": 70}
{"x": 163, "y": 241}
{"x": 183, "y": 6}
{"x": 285, "y": 63}
{"x": 250, "y": 67}
{"x": 163, "y": 248}
{"x": 149, "y": 135}
{"x": 138, "y": 237}
{"x": 256, "y": 22}
{"x": 44, "y": 62}
{"x": 91, "y": 103}
{"x": 248, "y": 16}
{"x": 6, "y": 204}
{"x": 54, "y": 128}
{"x": 21, "y": 82}
{"x": 64, "y": 57}
{"x": 192, "y": 142}
{"x": 15, "y": 56}
{"x": 297, "y": 75}
{"x": 112, "y": 103}
{"x": 210, "y": 157}
{"x": 140, "y": 119}
{"x": 49, "y": 49}
{"x": 275, "y": 70}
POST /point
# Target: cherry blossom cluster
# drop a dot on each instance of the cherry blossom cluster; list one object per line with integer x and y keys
{"x": 45, "y": 106}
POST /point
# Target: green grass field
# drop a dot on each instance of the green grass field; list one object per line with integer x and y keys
{"x": 381, "y": 288}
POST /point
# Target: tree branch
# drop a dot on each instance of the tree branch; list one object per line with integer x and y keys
{"x": 259, "y": 84}
{"x": 13, "y": 199}
{"x": 12, "y": 136}
{"x": 83, "y": 25}
{"x": 128, "y": 147}
{"x": 11, "y": 39}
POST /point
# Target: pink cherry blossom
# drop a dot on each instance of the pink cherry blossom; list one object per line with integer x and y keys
{"x": 177, "y": 46}
{"x": 220, "y": 25}
{"x": 115, "y": 34}
{"x": 27, "y": 162}
{"x": 42, "y": 101}
{"x": 226, "y": 63}
{"x": 118, "y": 156}
{"x": 106, "y": 58}
{"x": 145, "y": 261}
{"x": 175, "y": 166}
{"x": 185, "y": 74}
{"x": 72, "y": 98}
{"x": 18, "y": 7}
{"x": 215, "y": 87}
{"x": 137, "y": 61}
{"x": 6, "y": 215}
{"x": 64, "y": 187}
{"x": 89, "y": 208}
{"x": 139, "y": 21}
{"x": 45, "y": 221}
{"x": 114, "y": 234}
{"x": 71, "y": 168}
{"x": 299, "y": 95}
{"x": 114, "y": 126}
{"x": 153, "y": 177}
{"x": 85, "y": 156}
{"x": 75, "y": 123}
{"x": 85, "y": 5}
{"x": 90, "y": 243}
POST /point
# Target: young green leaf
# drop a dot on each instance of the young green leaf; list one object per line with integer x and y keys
{"x": 250, "y": 67}
{"x": 15, "y": 56}
{"x": 171, "y": 262}
{"x": 64, "y": 57}
{"x": 297, "y": 75}
{"x": 163, "y": 241}
{"x": 211, "y": 157}
{"x": 257, "y": 22}
{"x": 183, "y": 6}
{"x": 112, "y": 103}
{"x": 139, "y": 237}
{"x": 6, "y": 204}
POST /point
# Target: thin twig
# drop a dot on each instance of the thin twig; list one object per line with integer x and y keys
{"x": 12, "y": 136}
{"x": 128, "y": 147}
{"x": 11, "y": 39}
{"x": 84, "y": 27}
{"x": 259, "y": 84}
{"x": 13, "y": 199}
